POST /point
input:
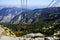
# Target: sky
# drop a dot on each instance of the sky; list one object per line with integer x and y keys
{"x": 30, "y": 3}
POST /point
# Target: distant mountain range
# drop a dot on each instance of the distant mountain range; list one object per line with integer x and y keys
{"x": 16, "y": 15}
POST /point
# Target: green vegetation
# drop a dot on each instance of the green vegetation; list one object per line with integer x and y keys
{"x": 48, "y": 28}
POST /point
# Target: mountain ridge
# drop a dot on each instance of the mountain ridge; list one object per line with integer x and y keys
{"x": 17, "y": 15}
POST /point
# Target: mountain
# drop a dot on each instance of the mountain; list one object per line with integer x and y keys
{"x": 6, "y": 14}
{"x": 16, "y": 15}
{"x": 52, "y": 13}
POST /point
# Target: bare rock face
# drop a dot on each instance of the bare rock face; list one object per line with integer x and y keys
{"x": 1, "y": 30}
{"x": 8, "y": 32}
{"x": 5, "y": 33}
{"x": 7, "y": 38}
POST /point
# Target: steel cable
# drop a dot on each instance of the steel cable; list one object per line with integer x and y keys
{"x": 50, "y": 3}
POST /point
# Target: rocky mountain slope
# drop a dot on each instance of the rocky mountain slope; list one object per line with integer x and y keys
{"x": 43, "y": 14}
{"x": 16, "y": 15}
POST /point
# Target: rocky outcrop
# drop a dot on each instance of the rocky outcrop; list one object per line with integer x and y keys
{"x": 4, "y": 31}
